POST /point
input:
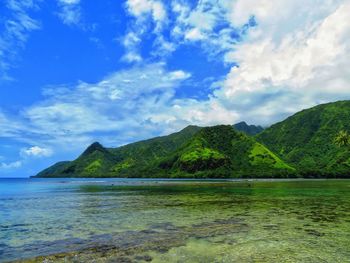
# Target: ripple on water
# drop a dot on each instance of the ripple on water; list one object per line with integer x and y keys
{"x": 190, "y": 222}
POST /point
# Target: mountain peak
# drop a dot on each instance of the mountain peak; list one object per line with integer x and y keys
{"x": 248, "y": 129}
{"x": 241, "y": 123}
{"x": 96, "y": 146}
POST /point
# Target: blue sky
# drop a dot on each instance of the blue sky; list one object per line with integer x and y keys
{"x": 76, "y": 71}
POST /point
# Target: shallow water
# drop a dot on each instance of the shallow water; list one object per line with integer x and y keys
{"x": 130, "y": 220}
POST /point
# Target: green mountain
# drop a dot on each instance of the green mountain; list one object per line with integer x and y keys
{"x": 221, "y": 152}
{"x": 248, "y": 129}
{"x": 306, "y": 140}
{"x": 301, "y": 145}
{"x": 97, "y": 161}
{"x": 214, "y": 152}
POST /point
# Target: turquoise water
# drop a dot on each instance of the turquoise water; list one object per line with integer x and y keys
{"x": 132, "y": 220}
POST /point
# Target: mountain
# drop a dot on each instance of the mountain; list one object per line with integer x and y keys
{"x": 301, "y": 145}
{"x": 54, "y": 170}
{"x": 221, "y": 152}
{"x": 306, "y": 140}
{"x": 248, "y": 129}
{"x": 97, "y": 161}
{"x": 145, "y": 152}
{"x": 218, "y": 151}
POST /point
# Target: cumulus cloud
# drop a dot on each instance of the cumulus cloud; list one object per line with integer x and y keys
{"x": 281, "y": 63}
{"x": 36, "y": 151}
{"x": 280, "y": 72}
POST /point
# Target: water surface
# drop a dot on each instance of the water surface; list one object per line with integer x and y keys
{"x": 131, "y": 220}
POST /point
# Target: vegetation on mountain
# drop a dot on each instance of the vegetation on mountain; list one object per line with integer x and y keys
{"x": 306, "y": 140}
{"x": 308, "y": 144}
{"x": 248, "y": 129}
{"x": 211, "y": 152}
{"x": 223, "y": 152}
{"x": 97, "y": 161}
{"x": 342, "y": 139}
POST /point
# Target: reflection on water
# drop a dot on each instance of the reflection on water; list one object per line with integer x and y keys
{"x": 125, "y": 220}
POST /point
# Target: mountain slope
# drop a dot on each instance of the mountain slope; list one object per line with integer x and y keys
{"x": 147, "y": 151}
{"x": 221, "y": 151}
{"x": 306, "y": 139}
{"x": 97, "y": 161}
{"x": 248, "y": 129}
{"x": 218, "y": 151}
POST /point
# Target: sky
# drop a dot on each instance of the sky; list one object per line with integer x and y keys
{"x": 73, "y": 72}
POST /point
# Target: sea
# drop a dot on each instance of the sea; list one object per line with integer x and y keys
{"x": 163, "y": 220}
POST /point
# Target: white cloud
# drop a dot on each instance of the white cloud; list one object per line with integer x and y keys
{"x": 125, "y": 106}
{"x": 131, "y": 42}
{"x": 280, "y": 72}
{"x": 70, "y": 2}
{"x": 144, "y": 11}
{"x": 17, "y": 27}
{"x": 141, "y": 8}
{"x": 194, "y": 34}
{"x": 179, "y": 75}
{"x": 190, "y": 23}
{"x": 200, "y": 24}
{"x": 36, "y": 151}
{"x": 158, "y": 11}
{"x": 70, "y": 12}
{"x": 120, "y": 104}
{"x": 293, "y": 59}
{"x": 9, "y": 125}
{"x": 12, "y": 165}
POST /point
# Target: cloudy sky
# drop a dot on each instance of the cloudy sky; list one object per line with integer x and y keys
{"x": 77, "y": 71}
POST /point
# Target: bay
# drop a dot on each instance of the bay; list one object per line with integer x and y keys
{"x": 140, "y": 220}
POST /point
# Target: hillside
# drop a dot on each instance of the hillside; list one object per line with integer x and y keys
{"x": 248, "y": 129}
{"x": 306, "y": 140}
{"x": 218, "y": 151}
{"x": 97, "y": 161}
{"x": 94, "y": 161}
{"x": 222, "y": 152}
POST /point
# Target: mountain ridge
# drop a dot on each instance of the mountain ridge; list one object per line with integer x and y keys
{"x": 301, "y": 145}
{"x": 248, "y": 129}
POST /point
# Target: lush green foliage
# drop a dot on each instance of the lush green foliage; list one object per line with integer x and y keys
{"x": 221, "y": 151}
{"x": 212, "y": 152}
{"x": 261, "y": 155}
{"x": 97, "y": 161}
{"x": 342, "y": 139}
{"x": 306, "y": 140}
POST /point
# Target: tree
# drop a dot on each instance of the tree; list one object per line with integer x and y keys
{"x": 342, "y": 139}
